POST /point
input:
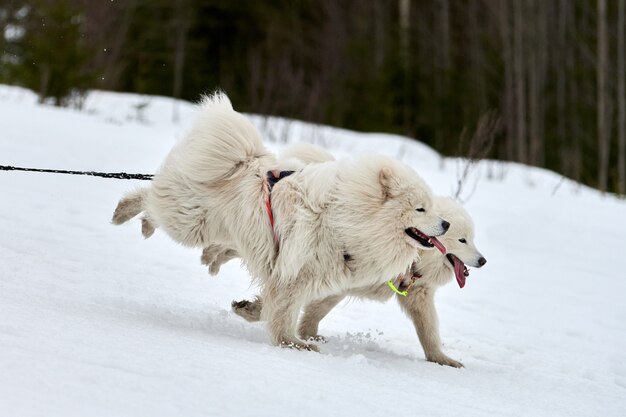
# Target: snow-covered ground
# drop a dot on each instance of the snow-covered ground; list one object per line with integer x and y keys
{"x": 95, "y": 321}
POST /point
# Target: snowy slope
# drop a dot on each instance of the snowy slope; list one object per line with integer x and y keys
{"x": 95, "y": 321}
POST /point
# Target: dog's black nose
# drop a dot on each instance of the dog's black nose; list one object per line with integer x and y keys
{"x": 445, "y": 225}
{"x": 482, "y": 261}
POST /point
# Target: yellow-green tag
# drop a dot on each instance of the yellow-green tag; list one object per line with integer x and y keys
{"x": 393, "y": 287}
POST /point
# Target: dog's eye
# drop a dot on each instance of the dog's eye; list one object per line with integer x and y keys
{"x": 421, "y": 210}
{"x": 462, "y": 240}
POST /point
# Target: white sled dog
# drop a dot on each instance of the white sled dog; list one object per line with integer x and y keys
{"x": 431, "y": 271}
{"x": 214, "y": 255}
{"x": 321, "y": 231}
{"x": 295, "y": 157}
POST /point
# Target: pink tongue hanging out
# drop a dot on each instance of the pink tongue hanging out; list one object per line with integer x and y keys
{"x": 459, "y": 271}
{"x": 437, "y": 244}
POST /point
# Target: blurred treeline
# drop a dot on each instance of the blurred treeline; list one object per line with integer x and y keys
{"x": 553, "y": 69}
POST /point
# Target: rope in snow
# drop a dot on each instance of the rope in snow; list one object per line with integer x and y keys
{"x": 118, "y": 175}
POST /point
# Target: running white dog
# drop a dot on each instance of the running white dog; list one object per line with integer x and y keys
{"x": 294, "y": 157}
{"x": 433, "y": 270}
{"x": 336, "y": 225}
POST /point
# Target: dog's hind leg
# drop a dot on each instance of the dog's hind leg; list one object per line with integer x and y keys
{"x": 313, "y": 314}
{"x": 221, "y": 259}
{"x": 249, "y": 310}
{"x": 209, "y": 254}
{"x": 147, "y": 227}
{"x": 214, "y": 256}
{"x": 419, "y": 305}
{"x": 129, "y": 206}
{"x": 281, "y": 306}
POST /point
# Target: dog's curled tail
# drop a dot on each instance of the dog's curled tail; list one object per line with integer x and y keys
{"x": 221, "y": 142}
{"x": 131, "y": 205}
{"x": 216, "y": 99}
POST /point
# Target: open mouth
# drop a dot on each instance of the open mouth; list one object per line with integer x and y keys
{"x": 460, "y": 270}
{"x": 425, "y": 240}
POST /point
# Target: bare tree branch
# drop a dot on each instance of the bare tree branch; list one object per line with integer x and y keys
{"x": 476, "y": 148}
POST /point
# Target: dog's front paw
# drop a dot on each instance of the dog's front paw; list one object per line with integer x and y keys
{"x": 442, "y": 359}
{"x": 296, "y": 344}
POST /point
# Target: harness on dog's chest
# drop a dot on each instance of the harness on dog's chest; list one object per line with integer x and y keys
{"x": 271, "y": 178}
{"x": 404, "y": 293}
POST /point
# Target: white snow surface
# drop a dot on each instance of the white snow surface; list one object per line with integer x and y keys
{"x": 97, "y": 321}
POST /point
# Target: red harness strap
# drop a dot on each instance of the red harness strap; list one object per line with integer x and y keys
{"x": 268, "y": 205}
{"x": 271, "y": 179}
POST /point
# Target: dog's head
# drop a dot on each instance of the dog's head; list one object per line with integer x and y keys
{"x": 384, "y": 212}
{"x": 459, "y": 240}
{"x": 407, "y": 195}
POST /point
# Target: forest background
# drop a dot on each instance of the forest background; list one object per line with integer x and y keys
{"x": 553, "y": 71}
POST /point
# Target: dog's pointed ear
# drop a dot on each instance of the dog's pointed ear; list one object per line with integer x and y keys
{"x": 387, "y": 181}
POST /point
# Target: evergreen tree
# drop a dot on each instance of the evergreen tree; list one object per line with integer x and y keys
{"x": 52, "y": 54}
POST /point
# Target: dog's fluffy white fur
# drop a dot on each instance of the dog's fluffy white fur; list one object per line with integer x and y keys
{"x": 340, "y": 224}
{"x": 432, "y": 270}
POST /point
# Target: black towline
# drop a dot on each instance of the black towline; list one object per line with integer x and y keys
{"x": 117, "y": 175}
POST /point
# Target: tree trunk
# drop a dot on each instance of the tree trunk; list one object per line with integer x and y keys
{"x": 442, "y": 72}
{"x": 561, "y": 71}
{"x": 520, "y": 82}
{"x": 380, "y": 27}
{"x": 474, "y": 12}
{"x": 44, "y": 82}
{"x": 621, "y": 101}
{"x": 182, "y": 21}
{"x": 537, "y": 70}
{"x": 444, "y": 22}
{"x": 602, "y": 97}
{"x": 576, "y": 93}
{"x": 508, "y": 110}
{"x": 114, "y": 63}
{"x": 405, "y": 22}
